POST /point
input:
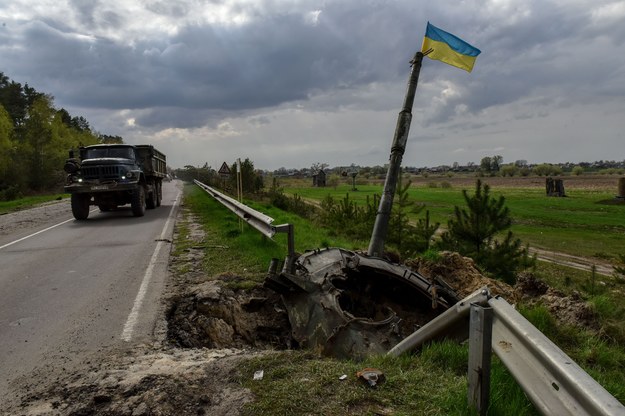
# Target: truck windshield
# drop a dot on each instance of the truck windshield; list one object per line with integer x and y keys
{"x": 103, "y": 152}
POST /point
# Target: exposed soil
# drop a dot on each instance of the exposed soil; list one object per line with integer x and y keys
{"x": 567, "y": 310}
{"x": 145, "y": 381}
{"x": 462, "y": 275}
{"x": 210, "y": 315}
{"x": 210, "y": 328}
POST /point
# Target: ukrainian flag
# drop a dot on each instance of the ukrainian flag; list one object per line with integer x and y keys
{"x": 448, "y": 48}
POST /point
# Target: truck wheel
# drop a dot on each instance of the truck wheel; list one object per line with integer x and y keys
{"x": 159, "y": 194}
{"x": 150, "y": 199}
{"x": 80, "y": 206}
{"x": 137, "y": 202}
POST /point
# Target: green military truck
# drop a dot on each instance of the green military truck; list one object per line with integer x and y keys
{"x": 111, "y": 175}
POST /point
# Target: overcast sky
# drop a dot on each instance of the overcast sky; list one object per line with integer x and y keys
{"x": 289, "y": 83}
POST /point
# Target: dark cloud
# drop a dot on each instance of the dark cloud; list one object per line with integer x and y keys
{"x": 174, "y": 117}
{"x": 95, "y": 15}
{"x": 349, "y": 58}
{"x": 85, "y": 10}
{"x": 273, "y": 60}
{"x": 541, "y": 54}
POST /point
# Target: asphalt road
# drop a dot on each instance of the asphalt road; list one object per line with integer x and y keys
{"x": 71, "y": 288}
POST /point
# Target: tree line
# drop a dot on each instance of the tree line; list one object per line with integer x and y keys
{"x": 35, "y": 138}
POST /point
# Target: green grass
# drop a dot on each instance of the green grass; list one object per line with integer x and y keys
{"x": 432, "y": 381}
{"x": 308, "y": 236}
{"x": 249, "y": 252}
{"x": 27, "y": 202}
{"x": 569, "y": 280}
{"x": 586, "y": 223}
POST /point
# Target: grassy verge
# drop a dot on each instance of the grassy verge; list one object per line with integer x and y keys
{"x": 238, "y": 248}
{"x": 28, "y": 202}
{"x": 430, "y": 382}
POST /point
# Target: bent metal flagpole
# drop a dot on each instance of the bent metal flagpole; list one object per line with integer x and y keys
{"x": 450, "y": 50}
{"x": 380, "y": 228}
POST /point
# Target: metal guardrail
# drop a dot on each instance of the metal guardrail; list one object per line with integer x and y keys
{"x": 256, "y": 219}
{"x": 553, "y": 382}
{"x": 450, "y": 324}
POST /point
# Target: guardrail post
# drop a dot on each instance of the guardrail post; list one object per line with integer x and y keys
{"x": 289, "y": 229}
{"x": 480, "y": 338}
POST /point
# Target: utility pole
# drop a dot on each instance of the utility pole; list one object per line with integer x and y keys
{"x": 380, "y": 228}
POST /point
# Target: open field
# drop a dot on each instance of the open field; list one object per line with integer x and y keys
{"x": 589, "y": 222}
{"x": 607, "y": 183}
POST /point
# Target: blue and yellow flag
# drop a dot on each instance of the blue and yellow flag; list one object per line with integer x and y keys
{"x": 448, "y": 48}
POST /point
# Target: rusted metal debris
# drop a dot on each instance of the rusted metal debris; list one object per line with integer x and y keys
{"x": 371, "y": 376}
{"x": 350, "y": 305}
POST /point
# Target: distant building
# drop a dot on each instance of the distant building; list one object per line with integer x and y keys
{"x": 319, "y": 178}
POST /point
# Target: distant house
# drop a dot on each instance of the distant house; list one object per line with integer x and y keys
{"x": 319, "y": 178}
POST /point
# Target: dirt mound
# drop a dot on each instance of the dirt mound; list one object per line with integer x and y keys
{"x": 461, "y": 274}
{"x": 210, "y": 315}
{"x": 569, "y": 310}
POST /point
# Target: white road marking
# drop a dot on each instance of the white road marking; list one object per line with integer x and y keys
{"x": 133, "y": 317}
{"x": 38, "y": 232}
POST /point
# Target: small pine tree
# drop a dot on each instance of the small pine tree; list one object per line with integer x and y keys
{"x": 425, "y": 231}
{"x": 419, "y": 237}
{"x": 472, "y": 233}
{"x": 399, "y": 224}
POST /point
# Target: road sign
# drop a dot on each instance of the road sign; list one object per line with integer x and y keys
{"x": 224, "y": 169}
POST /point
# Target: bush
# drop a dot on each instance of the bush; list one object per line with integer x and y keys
{"x": 472, "y": 232}
{"x": 509, "y": 170}
{"x": 547, "y": 169}
{"x": 418, "y": 238}
{"x": 11, "y": 193}
{"x": 278, "y": 199}
{"x": 345, "y": 217}
{"x": 300, "y": 207}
